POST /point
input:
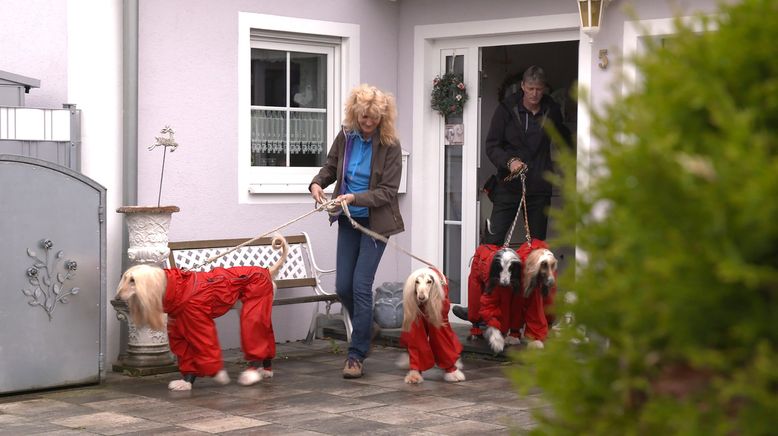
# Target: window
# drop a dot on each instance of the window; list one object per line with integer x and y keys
{"x": 291, "y": 91}
{"x": 290, "y": 106}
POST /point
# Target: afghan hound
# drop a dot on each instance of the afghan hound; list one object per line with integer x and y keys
{"x": 192, "y": 299}
{"x": 539, "y": 283}
{"x": 491, "y": 267}
{"x": 538, "y": 286}
{"x": 540, "y": 272}
{"x": 426, "y": 332}
{"x": 504, "y": 270}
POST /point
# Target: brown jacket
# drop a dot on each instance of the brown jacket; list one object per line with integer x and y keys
{"x": 381, "y": 196}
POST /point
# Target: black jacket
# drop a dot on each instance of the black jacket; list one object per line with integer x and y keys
{"x": 516, "y": 132}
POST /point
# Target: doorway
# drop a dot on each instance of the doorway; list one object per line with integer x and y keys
{"x": 435, "y": 236}
{"x": 501, "y": 70}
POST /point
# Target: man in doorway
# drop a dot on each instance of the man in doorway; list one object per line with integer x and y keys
{"x": 517, "y": 139}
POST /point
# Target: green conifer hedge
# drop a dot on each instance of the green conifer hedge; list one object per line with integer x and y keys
{"x": 679, "y": 291}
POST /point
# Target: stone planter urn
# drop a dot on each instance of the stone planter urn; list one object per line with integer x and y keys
{"x": 147, "y": 351}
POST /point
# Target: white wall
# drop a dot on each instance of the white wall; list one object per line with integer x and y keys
{"x": 94, "y": 71}
{"x": 611, "y": 35}
{"x": 33, "y": 43}
{"x": 74, "y": 48}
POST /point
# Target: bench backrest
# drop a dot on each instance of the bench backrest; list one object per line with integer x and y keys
{"x": 296, "y": 272}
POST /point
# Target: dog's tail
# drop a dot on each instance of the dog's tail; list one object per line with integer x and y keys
{"x": 279, "y": 243}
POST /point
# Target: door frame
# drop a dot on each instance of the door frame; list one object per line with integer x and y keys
{"x": 427, "y": 161}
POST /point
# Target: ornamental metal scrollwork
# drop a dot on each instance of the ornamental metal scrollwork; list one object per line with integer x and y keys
{"x": 48, "y": 285}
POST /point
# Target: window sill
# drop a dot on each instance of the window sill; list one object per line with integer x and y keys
{"x": 282, "y": 188}
{"x": 263, "y": 188}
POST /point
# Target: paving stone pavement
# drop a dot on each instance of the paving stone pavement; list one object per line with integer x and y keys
{"x": 307, "y": 396}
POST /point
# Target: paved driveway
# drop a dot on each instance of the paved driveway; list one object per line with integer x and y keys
{"x": 307, "y": 396}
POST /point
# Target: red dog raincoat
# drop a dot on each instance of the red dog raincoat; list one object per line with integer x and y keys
{"x": 428, "y": 345}
{"x": 193, "y": 299}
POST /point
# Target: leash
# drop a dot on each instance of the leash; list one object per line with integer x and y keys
{"x": 374, "y": 235}
{"x": 323, "y": 206}
{"x": 523, "y": 203}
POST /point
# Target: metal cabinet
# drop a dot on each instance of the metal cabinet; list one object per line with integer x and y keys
{"x": 52, "y": 276}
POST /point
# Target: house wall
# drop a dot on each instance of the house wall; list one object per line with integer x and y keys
{"x": 188, "y": 78}
{"x": 425, "y": 12}
{"x": 74, "y": 48}
{"x": 34, "y": 44}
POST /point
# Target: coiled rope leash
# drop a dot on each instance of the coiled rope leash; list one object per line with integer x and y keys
{"x": 331, "y": 206}
{"x": 323, "y": 206}
{"x": 374, "y": 235}
{"x": 522, "y": 173}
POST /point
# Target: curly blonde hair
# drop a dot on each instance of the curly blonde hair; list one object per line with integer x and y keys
{"x": 371, "y": 101}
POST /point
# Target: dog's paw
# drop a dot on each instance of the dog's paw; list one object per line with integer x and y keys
{"x": 512, "y": 340}
{"x": 179, "y": 385}
{"x": 413, "y": 377}
{"x": 456, "y": 376}
{"x": 496, "y": 341}
{"x": 535, "y": 345}
{"x": 249, "y": 377}
{"x": 403, "y": 361}
{"x": 265, "y": 373}
{"x": 459, "y": 364}
{"x": 222, "y": 377}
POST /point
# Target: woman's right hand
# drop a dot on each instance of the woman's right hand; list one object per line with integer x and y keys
{"x": 318, "y": 194}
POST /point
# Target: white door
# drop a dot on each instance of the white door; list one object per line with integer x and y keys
{"x": 458, "y": 159}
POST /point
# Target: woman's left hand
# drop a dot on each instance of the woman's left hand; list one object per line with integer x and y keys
{"x": 348, "y": 198}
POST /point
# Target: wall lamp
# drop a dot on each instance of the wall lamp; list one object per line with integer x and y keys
{"x": 591, "y": 12}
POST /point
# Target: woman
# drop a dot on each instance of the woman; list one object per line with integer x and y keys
{"x": 365, "y": 162}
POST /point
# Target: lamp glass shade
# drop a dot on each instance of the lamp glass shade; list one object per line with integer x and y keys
{"x": 590, "y": 12}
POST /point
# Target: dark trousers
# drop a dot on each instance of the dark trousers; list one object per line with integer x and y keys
{"x": 357, "y": 261}
{"x": 504, "y": 209}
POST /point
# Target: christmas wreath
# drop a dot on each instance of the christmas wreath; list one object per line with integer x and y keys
{"x": 449, "y": 94}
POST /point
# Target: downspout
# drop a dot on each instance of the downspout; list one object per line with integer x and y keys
{"x": 130, "y": 117}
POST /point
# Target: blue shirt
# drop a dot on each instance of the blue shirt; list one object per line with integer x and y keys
{"x": 357, "y": 175}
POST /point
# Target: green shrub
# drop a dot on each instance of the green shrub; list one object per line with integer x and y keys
{"x": 679, "y": 291}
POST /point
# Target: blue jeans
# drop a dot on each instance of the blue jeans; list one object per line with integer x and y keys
{"x": 357, "y": 261}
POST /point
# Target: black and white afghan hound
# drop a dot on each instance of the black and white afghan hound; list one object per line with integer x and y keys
{"x": 504, "y": 270}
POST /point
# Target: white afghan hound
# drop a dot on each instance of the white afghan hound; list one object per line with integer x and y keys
{"x": 192, "y": 299}
{"x": 427, "y": 333}
{"x": 540, "y": 271}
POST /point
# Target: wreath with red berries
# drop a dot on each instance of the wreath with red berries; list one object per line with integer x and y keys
{"x": 449, "y": 94}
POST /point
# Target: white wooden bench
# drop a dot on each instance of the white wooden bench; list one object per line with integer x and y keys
{"x": 300, "y": 270}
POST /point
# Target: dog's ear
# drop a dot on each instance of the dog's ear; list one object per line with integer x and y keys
{"x": 531, "y": 270}
{"x": 435, "y": 304}
{"x": 494, "y": 273}
{"x": 145, "y": 303}
{"x": 532, "y": 282}
{"x": 410, "y": 307}
{"x": 515, "y": 271}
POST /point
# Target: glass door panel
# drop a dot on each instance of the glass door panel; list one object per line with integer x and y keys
{"x": 452, "y": 191}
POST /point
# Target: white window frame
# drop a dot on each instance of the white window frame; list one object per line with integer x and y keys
{"x": 635, "y": 33}
{"x": 262, "y": 185}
